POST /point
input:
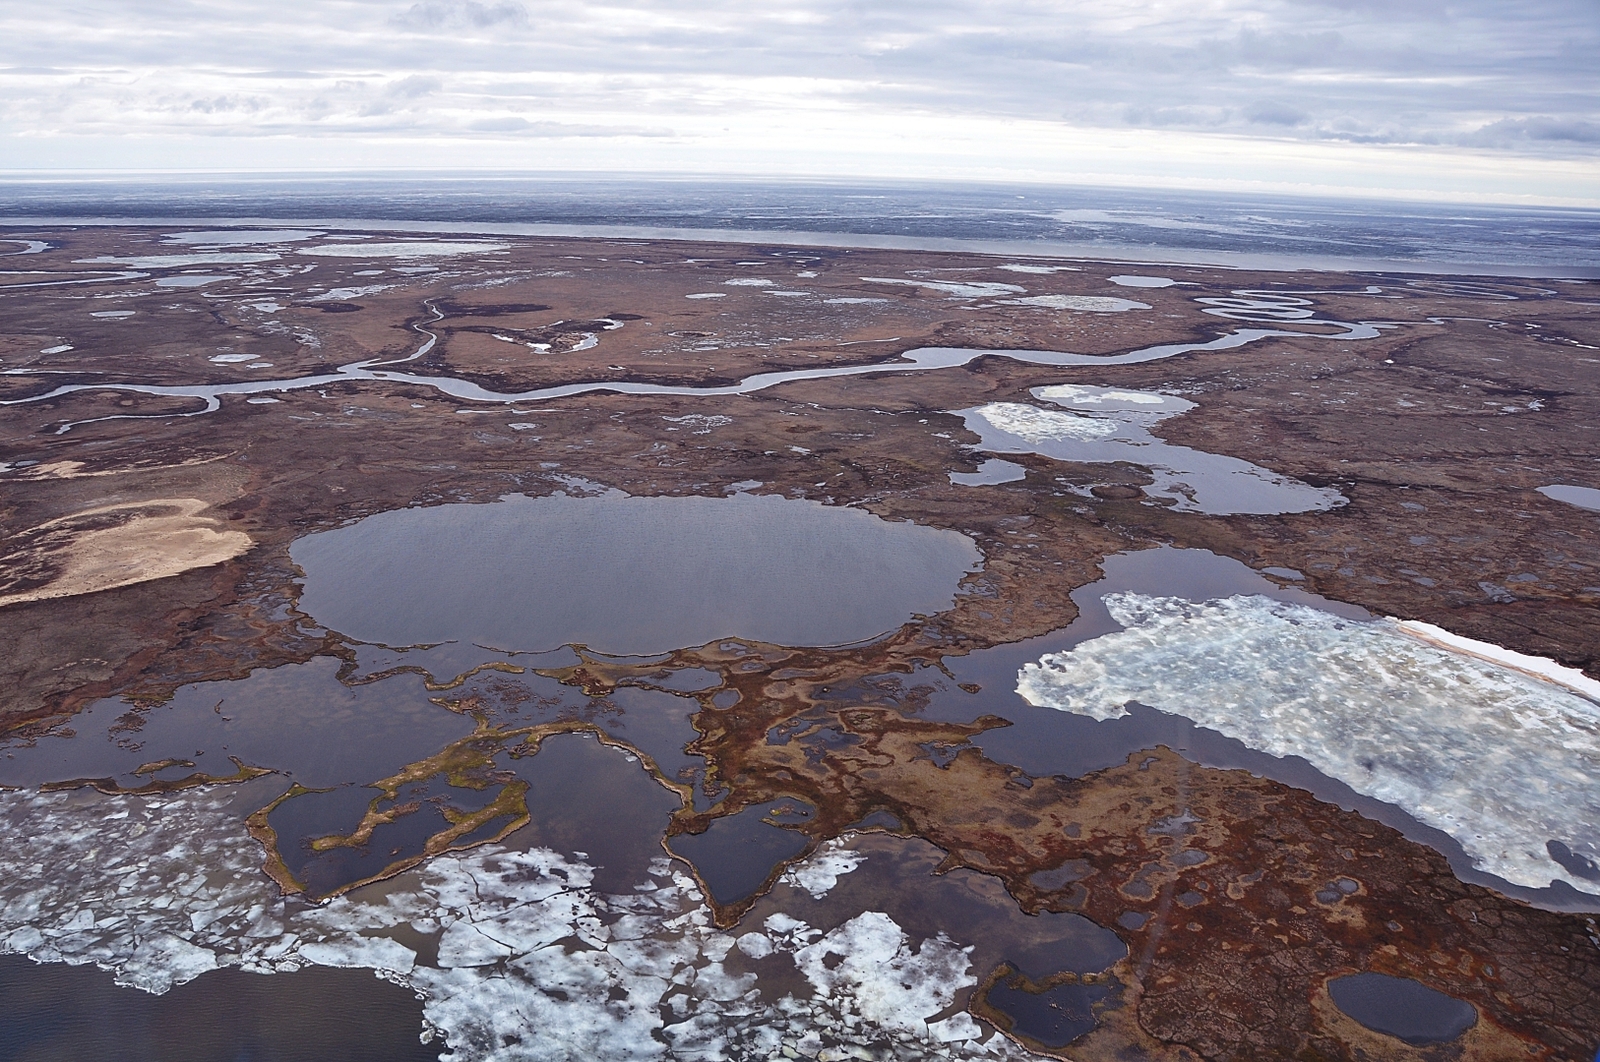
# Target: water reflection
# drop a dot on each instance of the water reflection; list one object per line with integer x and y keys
{"x": 626, "y": 575}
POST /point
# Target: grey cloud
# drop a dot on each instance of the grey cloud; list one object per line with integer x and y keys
{"x": 1269, "y": 112}
{"x": 461, "y": 14}
{"x": 1481, "y": 73}
{"x": 1537, "y": 128}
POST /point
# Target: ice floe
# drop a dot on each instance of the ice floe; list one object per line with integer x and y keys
{"x": 533, "y": 962}
{"x": 1506, "y": 763}
{"x": 1105, "y": 425}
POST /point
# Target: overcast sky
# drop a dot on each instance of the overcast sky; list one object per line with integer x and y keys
{"x": 1476, "y": 99}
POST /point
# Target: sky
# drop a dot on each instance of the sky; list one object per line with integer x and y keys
{"x": 1477, "y": 100}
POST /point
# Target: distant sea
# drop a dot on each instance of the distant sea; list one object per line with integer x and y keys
{"x": 1253, "y": 231}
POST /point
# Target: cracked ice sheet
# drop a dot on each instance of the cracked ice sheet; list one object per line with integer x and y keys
{"x": 534, "y": 962}
{"x": 1500, "y": 760}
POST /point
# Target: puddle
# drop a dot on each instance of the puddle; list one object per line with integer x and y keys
{"x": 1104, "y": 425}
{"x": 1582, "y": 497}
{"x": 628, "y": 576}
{"x": 1402, "y": 1008}
{"x": 989, "y": 473}
{"x": 737, "y": 852}
{"x": 56, "y": 1011}
{"x": 297, "y": 719}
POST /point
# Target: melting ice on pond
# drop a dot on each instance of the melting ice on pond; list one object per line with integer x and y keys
{"x": 626, "y": 575}
{"x": 1104, "y": 425}
{"x": 517, "y": 953}
{"x": 1505, "y": 762}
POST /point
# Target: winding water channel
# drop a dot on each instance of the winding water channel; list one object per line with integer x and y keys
{"x": 1245, "y": 305}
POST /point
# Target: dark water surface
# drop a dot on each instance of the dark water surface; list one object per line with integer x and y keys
{"x": 1054, "y": 1017}
{"x": 297, "y": 719}
{"x": 1403, "y": 1008}
{"x": 59, "y": 1013}
{"x": 628, "y": 575}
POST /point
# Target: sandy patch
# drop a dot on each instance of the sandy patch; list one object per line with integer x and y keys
{"x": 154, "y": 539}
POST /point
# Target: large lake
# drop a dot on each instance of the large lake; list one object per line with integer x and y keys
{"x": 628, "y": 576}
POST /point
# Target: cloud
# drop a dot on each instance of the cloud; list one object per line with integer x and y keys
{"x": 1460, "y": 75}
{"x": 1539, "y": 128}
{"x": 461, "y": 14}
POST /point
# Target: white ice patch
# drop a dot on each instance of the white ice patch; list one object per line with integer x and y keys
{"x": 1044, "y": 425}
{"x": 970, "y": 289}
{"x": 849, "y": 301}
{"x": 230, "y": 359}
{"x": 819, "y": 874}
{"x": 748, "y": 282}
{"x": 1502, "y": 761}
{"x": 407, "y": 249}
{"x": 1132, "y": 281}
{"x": 59, "y": 348}
{"x": 708, "y": 295}
{"x": 699, "y": 423}
{"x": 113, "y": 314}
{"x": 1087, "y": 303}
{"x": 533, "y": 961}
{"x": 1042, "y": 270}
{"x": 340, "y": 294}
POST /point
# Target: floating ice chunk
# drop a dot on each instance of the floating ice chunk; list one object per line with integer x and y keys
{"x": 869, "y": 963}
{"x": 1104, "y": 397}
{"x": 819, "y": 874}
{"x": 1504, "y": 762}
{"x": 367, "y": 953}
{"x": 1042, "y": 425}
